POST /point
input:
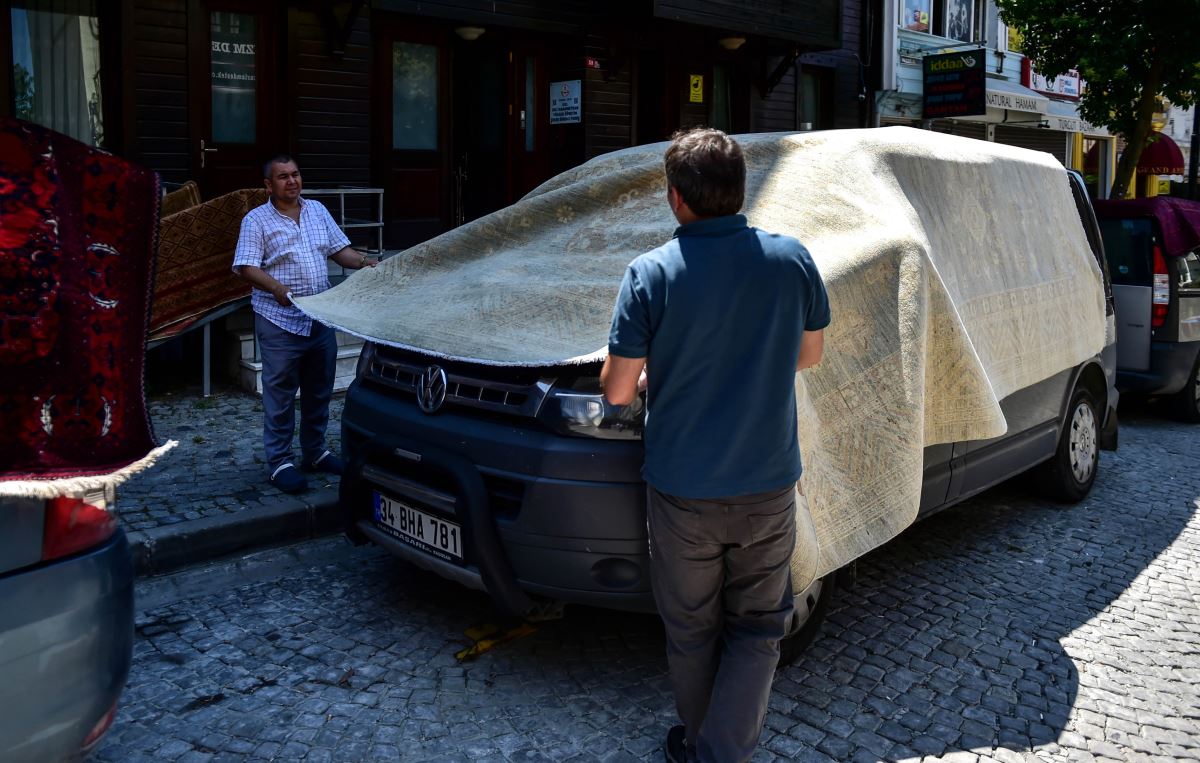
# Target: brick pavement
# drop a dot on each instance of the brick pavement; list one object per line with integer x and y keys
{"x": 1009, "y": 628}
{"x": 217, "y": 468}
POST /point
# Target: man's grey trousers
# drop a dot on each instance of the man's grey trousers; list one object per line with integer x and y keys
{"x": 721, "y": 573}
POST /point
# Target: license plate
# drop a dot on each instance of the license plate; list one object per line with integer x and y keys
{"x": 430, "y": 534}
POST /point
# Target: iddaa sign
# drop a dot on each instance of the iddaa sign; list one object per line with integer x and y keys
{"x": 954, "y": 85}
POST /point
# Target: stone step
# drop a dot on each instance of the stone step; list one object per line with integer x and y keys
{"x": 250, "y": 370}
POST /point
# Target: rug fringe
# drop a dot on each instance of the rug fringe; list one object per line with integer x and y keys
{"x": 52, "y": 488}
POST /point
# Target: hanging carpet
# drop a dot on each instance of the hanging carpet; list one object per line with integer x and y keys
{"x": 77, "y": 229}
{"x": 195, "y": 250}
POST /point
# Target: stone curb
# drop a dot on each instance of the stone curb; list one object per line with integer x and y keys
{"x": 170, "y": 547}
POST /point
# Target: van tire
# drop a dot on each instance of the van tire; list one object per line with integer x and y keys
{"x": 1069, "y": 475}
{"x": 807, "y": 619}
{"x": 1187, "y": 400}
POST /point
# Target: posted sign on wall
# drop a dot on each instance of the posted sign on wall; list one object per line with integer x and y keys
{"x": 566, "y": 102}
{"x": 954, "y": 85}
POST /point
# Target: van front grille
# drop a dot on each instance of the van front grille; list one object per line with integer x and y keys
{"x": 496, "y": 396}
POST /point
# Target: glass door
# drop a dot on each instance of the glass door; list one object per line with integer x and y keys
{"x": 411, "y": 120}
{"x": 233, "y": 125}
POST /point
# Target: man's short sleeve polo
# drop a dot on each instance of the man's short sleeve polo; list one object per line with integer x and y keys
{"x": 818, "y": 315}
{"x": 630, "y": 333}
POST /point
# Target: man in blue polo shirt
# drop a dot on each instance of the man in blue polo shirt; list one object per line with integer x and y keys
{"x": 721, "y": 318}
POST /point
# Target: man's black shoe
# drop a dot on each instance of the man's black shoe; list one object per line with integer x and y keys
{"x": 326, "y": 462}
{"x": 289, "y": 479}
{"x": 676, "y": 748}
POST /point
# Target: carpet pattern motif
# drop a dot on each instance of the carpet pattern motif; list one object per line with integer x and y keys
{"x": 958, "y": 273}
{"x": 195, "y": 251}
{"x": 77, "y": 232}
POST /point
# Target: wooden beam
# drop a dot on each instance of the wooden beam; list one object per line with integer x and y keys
{"x": 770, "y": 81}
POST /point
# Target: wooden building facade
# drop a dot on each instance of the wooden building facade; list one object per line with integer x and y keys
{"x": 454, "y": 107}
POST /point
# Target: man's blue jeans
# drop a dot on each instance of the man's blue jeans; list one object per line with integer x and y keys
{"x": 291, "y": 362}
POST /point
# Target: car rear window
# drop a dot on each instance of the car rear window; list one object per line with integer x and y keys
{"x": 1127, "y": 244}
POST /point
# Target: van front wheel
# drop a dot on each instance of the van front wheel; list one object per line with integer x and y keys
{"x": 1069, "y": 475}
{"x": 1187, "y": 400}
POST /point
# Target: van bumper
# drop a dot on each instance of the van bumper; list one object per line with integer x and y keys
{"x": 542, "y": 514}
{"x": 1171, "y": 365}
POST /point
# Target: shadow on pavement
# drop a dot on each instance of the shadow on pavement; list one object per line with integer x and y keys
{"x": 957, "y": 634}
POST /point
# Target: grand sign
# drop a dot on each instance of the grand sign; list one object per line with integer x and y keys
{"x": 953, "y": 85}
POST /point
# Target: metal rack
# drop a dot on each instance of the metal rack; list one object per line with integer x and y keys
{"x": 348, "y": 224}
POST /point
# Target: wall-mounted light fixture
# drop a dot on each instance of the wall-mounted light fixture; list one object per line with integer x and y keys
{"x": 469, "y": 33}
{"x": 731, "y": 43}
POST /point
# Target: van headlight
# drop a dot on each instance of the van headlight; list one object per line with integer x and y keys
{"x": 579, "y": 409}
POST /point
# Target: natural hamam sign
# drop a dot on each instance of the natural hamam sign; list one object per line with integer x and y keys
{"x": 953, "y": 85}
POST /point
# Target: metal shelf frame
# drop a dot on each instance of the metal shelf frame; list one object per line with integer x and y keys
{"x": 347, "y": 224}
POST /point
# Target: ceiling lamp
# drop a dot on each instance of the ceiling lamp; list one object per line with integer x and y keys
{"x": 731, "y": 43}
{"x": 469, "y": 33}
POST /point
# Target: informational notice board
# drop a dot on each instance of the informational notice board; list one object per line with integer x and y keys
{"x": 566, "y": 102}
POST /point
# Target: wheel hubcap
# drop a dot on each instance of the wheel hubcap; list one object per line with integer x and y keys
{"x": 1083, "y": 442}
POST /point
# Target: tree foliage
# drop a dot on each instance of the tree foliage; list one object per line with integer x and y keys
{"x": 22, "y": 92}
{"x": 1130, "y": 53}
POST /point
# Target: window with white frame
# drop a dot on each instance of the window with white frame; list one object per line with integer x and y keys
{"x": 961, "y": 20}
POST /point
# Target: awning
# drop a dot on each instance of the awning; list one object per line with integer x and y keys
{"x": 1002, "y": 94}
{"x": 1162, "y": 157}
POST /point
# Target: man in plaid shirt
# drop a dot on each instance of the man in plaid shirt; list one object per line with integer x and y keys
{"x": 282, "y": 251}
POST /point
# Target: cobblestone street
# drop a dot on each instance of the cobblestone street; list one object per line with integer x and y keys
{"x": 1008, "y": 628}
{"x": 213, "y": 446}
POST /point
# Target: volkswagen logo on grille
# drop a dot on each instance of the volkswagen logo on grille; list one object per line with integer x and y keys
{"x": 431, "y": 389}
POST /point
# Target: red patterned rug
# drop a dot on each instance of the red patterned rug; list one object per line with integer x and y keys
{"x": 77, "y": 231}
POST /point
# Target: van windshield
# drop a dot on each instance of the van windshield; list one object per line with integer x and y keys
{"x": 1127, "y": 244}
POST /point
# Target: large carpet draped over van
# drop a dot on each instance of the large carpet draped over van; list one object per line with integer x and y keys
{"x": 958, "y": 273}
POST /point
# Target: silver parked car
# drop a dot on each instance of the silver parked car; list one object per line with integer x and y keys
{"x": 66, "y": 624}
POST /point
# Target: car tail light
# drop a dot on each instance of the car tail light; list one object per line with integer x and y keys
{"x": 1162, "y": 291}
{"x": 76, "y": 523}
{"x": 101, "y": 727}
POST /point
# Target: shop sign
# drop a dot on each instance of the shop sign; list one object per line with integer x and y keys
{"x": 1065, "y": 124}
{"x": 999, "y": 99}
{"x": 953, "y": 85}
{"x": 592, "y": 63}
{"x": 696, "y": 88}
{"x": 1067, "y": 85}
{"x": 566, "y": 102}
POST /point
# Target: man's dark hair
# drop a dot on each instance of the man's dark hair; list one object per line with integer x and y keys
{"x": 277, "y": 159}
{"x": 707, "y": 169}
